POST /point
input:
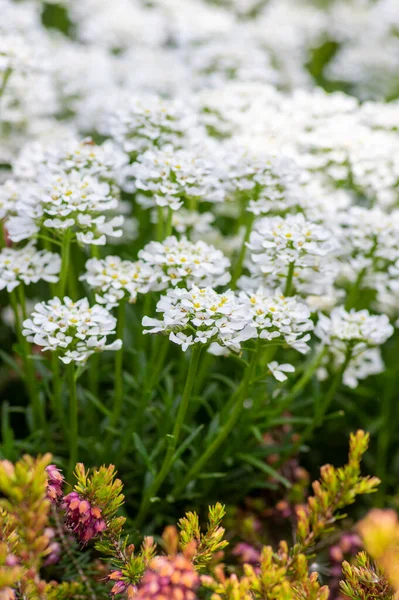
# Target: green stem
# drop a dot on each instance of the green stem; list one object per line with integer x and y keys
{"x": 173, "y": 438}
{"x": 159, "y": 228}
{"x": 324, "y": 405}
{"x": 2, "y": 235}
{"x": 168, "y": 227}
{"x": 384, "y": 438}
{"x": 58, "y": 409}
{"x": 152, "y": 375}
{"x": 301, "y": 383}
{"x": 6, "y": 78}
{"x": 29, "y": 370}
{"x": 243, "y": 250}
{"x": 65, "y": 255}
{"x": 73, "y": 419}
{"x": 238, "y": 399}
{"x": 118, "y": 389}
{"x": 288, "y": 283}
{"x": 352, "y": 297}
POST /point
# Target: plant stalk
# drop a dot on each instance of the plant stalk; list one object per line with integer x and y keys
{"x": 173, "y": 438}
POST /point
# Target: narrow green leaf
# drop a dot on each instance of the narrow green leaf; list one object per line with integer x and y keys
{"x": 267, "y": 469}
{"x": 141, "y": 449}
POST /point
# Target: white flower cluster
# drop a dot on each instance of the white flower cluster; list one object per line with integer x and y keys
{"x": 275, "y": 317}
{"x": 172, "y": 177}
{"x": 353, "y": 335}
{"x": 226, "y": 320}
{"x": 27, "y": 265}
{"x": 67, "y": 201}
{"x": 369, "y": 246}
{"x": 72, "y": 329}
{"x": 354, "y": 328}
{"x": 160, "y": 265}
{"x": 104, "y": 161}
{"x": 114, "y": 279}
{"x": 279, "y": 244}
{"x": 188, "y": 262}
{"x": 140, "y": 124}
{"x": 201, "y": 315}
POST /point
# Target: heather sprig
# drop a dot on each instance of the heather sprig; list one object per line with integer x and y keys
{"x": 207, "y": 544}
{"x": 337, "y": 488}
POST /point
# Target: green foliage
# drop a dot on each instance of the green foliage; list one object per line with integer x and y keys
{"x": 24, "y": 515}
{"x": 336, "y": 489}
{"x": 363, "y": 580}
{"x": 207, "y": 544}
{"x": 101, "y": 488}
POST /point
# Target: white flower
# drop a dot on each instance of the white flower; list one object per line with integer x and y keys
{"x": 142, "y": 123}
{"x": 281, "y": 243}
{"x": 278, "y": 371}
{"x": 113, "y": 279}
{"x": 203, "y": 313}
{"x": 84, "y": 156}
{"x": 172, "y": 176}
{"x": 63, "y": 201}
{"x": 355, "y": 327}
{"x": 278, "y": 318}
{"x": 188, "y": 262}
{"x": 27, "y": 265}
{"x": 72, "y": 329}
{"x": 353, "y": 335}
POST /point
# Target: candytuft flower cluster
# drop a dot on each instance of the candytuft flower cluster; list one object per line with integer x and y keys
{"x": 74, "y": 330}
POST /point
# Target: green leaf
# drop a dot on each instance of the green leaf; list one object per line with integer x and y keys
{"x": 7, "y": 433}
{"x": 97, "y": 403}
{"x": 267, "y": 469}
{"x": 143, "y": 452}
{"x": 187, "y": 442}
{"x": 11, "y": 363}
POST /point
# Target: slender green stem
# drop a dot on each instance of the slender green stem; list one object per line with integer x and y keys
{"x": 237, "y": 402}
{"x": 159, "y": 228}
{"x": 118, "y": 389}
{"x": 290, "y": 276}
{"x": 388, "y": 425}
{"x": 29, "y": 370}
{"x": 22, "y": 300}
{"x": 353, "y": 294}
{"x": 173, "y": 438}
{"x": 323, "y": 406}
{"x": 168, "y": 226}
{"x": 65, "y": 255}
{"x": 301, "y": 383}
{"x": 58, "y": 408}
{"x": 6, "y": 77}
{"x": 73, "y": 419}
{"x": 152, "y": 374}
{"x": 250, "y": 217}
{"x": 2, "y": 235}
{"x": 94, "y": 251}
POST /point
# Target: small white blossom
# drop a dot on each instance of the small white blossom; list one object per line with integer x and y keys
{"x": 279, "y": 371}
{"x": 202, "y": 316}
{"x": 278, "y": 244}
{"x": 72, "y": 329}
{"x": 173, "y": 176}
{"x": 355, "y": 336}
{"x": 189, "y": 262}
{"x": 63, "y": 201}
{"x": 278, "y": 318}
{"x": 114, "y": 279}
{"x": 27, "y": 265}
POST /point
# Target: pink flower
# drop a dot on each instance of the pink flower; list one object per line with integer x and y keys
{"x": 55, "y": 482}
{"x": 83, "y": 519}
{"x": 169, "y": 578}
